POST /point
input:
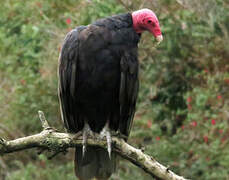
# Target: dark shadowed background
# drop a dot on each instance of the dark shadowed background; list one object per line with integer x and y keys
{"x": 182, "y": 117}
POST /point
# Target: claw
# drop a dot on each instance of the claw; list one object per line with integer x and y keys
{"x": 106, "y": 133}
{"x": 86, "y": 132}
{"x": 84, "y": 142}
{"x": 108, "y": 136}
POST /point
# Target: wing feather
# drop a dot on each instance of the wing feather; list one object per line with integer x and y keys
{"x": 129, "y": 85}
{"x": 68, "y": 81}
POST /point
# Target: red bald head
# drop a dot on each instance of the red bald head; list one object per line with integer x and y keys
{"x": 146, "y": 20}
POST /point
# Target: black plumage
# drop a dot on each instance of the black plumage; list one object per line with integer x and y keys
{"x": 98, "y": 79}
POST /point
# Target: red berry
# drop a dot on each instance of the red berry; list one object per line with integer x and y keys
{"x": 219, "y": 97}
{"x": 194, "y": 123}
{"x": 213, "y": 122}
{"x": 68, "y": 21}
{"x": 189, "y": 99}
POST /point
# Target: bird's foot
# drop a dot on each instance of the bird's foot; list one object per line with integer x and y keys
{"x": 106, "y": 133}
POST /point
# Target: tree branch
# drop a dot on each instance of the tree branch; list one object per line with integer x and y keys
{"x": 52, "y": 140}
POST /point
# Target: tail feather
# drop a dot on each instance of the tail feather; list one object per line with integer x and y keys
{"x": 95, "y": 163}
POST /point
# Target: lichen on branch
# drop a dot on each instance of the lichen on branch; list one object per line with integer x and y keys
{"x": 50, "y": 139}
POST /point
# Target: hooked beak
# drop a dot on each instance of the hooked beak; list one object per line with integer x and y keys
{"x": 159, "y": 38}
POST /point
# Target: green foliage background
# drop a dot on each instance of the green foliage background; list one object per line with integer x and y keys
{"x": 182, "y": 117}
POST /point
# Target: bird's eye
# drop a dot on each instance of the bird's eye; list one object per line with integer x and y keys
{"x": 149, "y": 21}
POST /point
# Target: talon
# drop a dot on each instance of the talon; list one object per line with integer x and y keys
{"x": 86, "y": 131}
{"x": 84, "y": 142}
{"x": 107, "y": 134}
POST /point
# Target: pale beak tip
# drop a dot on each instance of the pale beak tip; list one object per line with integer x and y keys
{"x": 159, "y": 39}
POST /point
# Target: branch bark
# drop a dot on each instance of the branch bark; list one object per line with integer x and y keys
{"x": 58, "y": 142}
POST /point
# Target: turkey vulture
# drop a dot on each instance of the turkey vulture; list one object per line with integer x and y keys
{"x": 98, "y": 84}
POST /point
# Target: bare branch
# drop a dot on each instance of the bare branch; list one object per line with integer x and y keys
{"x": 44, "y": 122}
{"x": 59, "y": 142}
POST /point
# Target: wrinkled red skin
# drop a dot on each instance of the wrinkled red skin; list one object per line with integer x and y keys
{"x": 146, "y": 20}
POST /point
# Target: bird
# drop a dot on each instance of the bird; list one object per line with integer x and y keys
{"x": 98, "y": 84}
